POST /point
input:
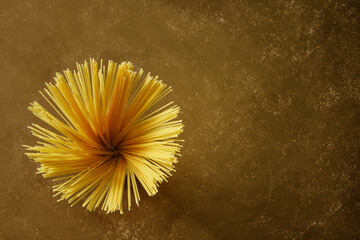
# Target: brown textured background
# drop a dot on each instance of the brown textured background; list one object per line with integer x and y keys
{"x": 270, "y": 97}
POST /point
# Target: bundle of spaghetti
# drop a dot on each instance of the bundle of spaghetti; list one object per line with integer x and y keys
{"x": 106, "y": 136}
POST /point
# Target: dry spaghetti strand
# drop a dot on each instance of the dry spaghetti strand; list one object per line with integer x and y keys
{"x": 104, "y": 140}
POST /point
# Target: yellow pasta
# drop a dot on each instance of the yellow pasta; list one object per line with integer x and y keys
{"x": 104, "y": 139}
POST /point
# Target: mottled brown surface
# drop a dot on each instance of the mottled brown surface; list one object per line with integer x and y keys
{"x": 270, "y": 97}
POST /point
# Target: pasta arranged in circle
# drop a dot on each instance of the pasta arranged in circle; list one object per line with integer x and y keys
{"x": 104, "y": 138}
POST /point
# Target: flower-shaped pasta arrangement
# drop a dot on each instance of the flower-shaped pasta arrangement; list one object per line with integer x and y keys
{"x": 107, "y": 135}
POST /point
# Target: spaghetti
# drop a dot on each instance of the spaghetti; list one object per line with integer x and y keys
{"x": 104, "y": 140}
